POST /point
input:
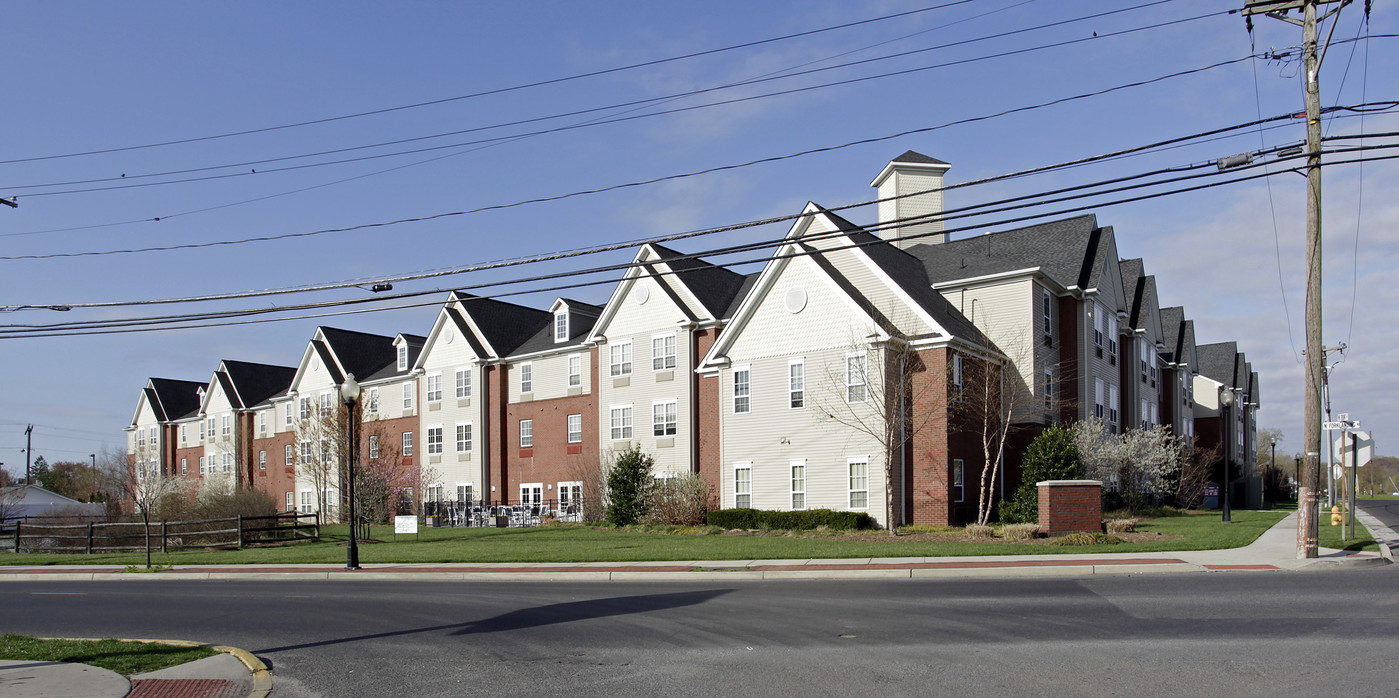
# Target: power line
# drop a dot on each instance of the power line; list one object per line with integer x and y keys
{"x": 866, "y": 141}
{"x": 496, "y": 91}
{"x": 133, "y": 325}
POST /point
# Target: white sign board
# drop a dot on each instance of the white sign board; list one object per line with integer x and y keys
{"x": 405, "y": 524}
{"x": 1364, "y": 451}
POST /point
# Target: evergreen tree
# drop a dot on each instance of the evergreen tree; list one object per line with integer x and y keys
{"x": 1051, "y": 456}
{"x": 629, "y": 484}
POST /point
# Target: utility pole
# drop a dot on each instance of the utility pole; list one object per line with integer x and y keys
{"x": 1316, "y": 357}
{"x": 28, "y": 451}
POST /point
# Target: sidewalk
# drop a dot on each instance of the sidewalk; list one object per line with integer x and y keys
{"x": 237, "y": 673}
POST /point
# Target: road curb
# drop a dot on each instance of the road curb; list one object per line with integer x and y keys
{"x": 262, "y": 676}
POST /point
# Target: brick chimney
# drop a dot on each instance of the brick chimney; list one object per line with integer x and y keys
{"x": 911, "y": 173}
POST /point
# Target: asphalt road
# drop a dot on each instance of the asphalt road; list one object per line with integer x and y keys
{"x": 1252, "y": 633}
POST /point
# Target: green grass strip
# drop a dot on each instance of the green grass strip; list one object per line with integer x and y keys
{"x": 124, "y": 657}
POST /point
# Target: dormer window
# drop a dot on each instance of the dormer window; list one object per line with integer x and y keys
{"x": 561, "y": 326}
{"x": 403, "y": 357}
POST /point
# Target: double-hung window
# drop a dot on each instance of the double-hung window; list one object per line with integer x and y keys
{"x": 1145, "y": 348}
{"x": 327, "y": 404}
{"x": 434, "y": 441}
{"x": 1112, "y": 337}
{"x": 184, "y": 466}
{"x": 856, "y": 377}
{"x": 575, "y": 371}
{"x": 526, "y": 377}
{"x": 798, "y": 484}
{"x": 743, "y": 397}
{"x": 1048, "y": 389}
{"x": 407, "y": 444}
{"x": 434, "y": 387}
{"x": 225, "y": 425}
{"x": 1114, "y": 403}
{"x": 373, "y": 445}
{"x": 620, "y": 356}
{"x": 464, "y": 382}
{"x": 1099, "y": 398}
{"x": 663, "y": 352}
{"x": 575, "y": 428}
{"x": 561, "y": 326}
{"x": 287, "y": 458}
{"x": 463, "y": 438}
{"x": 663, "y": 418}
{"x": 305, "y": 404}
{"x": 403, "y": 357}
{"x": 1047, "y": 318}
{"x": 1099, "y": 315}
{"x": 373, "y": 400}
{"x": 262, "y": 460}
{"x": 956, "y": 376}
{"x": 306, "y": 452}
{"x": 743, "y": 485}
{"x": 262, "y": 422}
{"x": 620, "y": 422}
{"x": 286, "y": 416}
{"x": 796, "y": 383}
{"x": 526, "y": 433}
{"x": 408, "y": 397}
{"x": 959, "y": 471}
{"x": 859, "y": 469}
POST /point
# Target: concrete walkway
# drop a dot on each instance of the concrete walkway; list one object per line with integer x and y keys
{"x": 236, "y": 673}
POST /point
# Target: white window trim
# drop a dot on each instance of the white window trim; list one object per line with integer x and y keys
{"x": 526, "y": 433}
{"x": 620, "y": 358}
{"x": 862, "y": 375}
{"x": 792, "y": 465}
{"x": 434, "y": 395}
{"x": 747, "y": 395}
{"x": 561, "y": 315}
{"x": 527, "y": 378}
{"x": 575, "y": 377}
{"x": 407, "y": 441}
{"x": 409, "y": 393}
{"x": 574, "y": 437}
{"x": 673, "y": 424}
{"x": 470, "y": 439}
{"x": 796, "y": 393}
{"x": 435, "y": 447}
{"x": 746, "y": 467}
{"x": 403, "y": 357}
{"x": 463, "y": 387}
{"x": 624, "y": 431}
{"x": 850, "y": 489}
{"x": 959, "y": 474}
{"x": 664, "y": 357}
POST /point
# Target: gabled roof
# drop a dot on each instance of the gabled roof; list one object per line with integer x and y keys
{"x": 503, "y": 326}
{"x": 917, "y": 158}
{"x": 1253, "y": 388}
{"x": 171, "y": 399}
{"x": 1069, "y": 251}
{"x": 583, "y": 317}
{"x": 714, "y": 286}
{"x": 360, "y": 353}
{"x": 1173, "y": 330}
{"x": 253, "y": 384}
{"x": 1133, "y": 281}
{"x": 1217, "y": 361}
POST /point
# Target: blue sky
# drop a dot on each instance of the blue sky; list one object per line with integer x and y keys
{"x": 97, "y": 76}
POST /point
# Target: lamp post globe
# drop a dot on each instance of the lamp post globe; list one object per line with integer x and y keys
{"x": 349, "y": 393}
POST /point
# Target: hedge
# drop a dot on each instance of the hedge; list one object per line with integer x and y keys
{"x": 789, "y": 520}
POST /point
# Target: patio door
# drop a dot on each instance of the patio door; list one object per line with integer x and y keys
{"x": 531, "y": 494}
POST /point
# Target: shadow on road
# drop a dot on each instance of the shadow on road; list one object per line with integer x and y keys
{"x": 551, "y": 614}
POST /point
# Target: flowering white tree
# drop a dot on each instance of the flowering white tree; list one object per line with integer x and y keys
{"x": 1138, "y": 463}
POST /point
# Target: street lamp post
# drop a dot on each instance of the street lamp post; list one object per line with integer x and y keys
{"x": 1226, "y": 400}
{"x": 1273, "y": 463}
{"x": 349, "y": 393}
{"x": 1296, "y": 477}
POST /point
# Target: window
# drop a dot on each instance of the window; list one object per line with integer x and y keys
{"x": 1113, "y": 404}
{"x": 1112, "y": 337}
{"x": 796, "y": 383}
{"x": 561, "y": 326}
{"x": 1155, "y": 414}
{"x": 959, "y": 469}
{"x": 434, "y": 388}
{"x": 226, "y": 425}
{"x": 463, "y": 494}
{"x": 227, "y": 462}
{"x": 287, "y": 455}
{"x": 306, "y": 501}
{"x": 434, "y": 441}
{"x": 403, "y": 357}
{"x": 663, "y": 352}
{"x": 407, "y": 444}
{"x": 290, "y": 501}
{"x": 305, "y": 413}
{"x": 527, "y": 378}
{"x": 1047, "y": 315}
{"x": 1048, "y": 390}
{"x": 407, "y": 397}
{"x": 956, "y": 376}
{"x": 798, "y": 484}
{"x": 184, "y": 466}
{"x": 1143, "y": 414}
{"x": 327, "y": 403}
{"x": 262, "y": 460}
{"x": 526, "y": 433}
{"x": 201, "y": 465}
{"x": 856, "y": 378}
{"x": 464, "y": 382}
{"x": 212, "y": 424}
{"x": 306, "y": 452}
{"x": 743, "y": 399}
{"x": 184, "y": 433}
{"x": 463, "y": 438}
{"x": 201, "y": 430}
{"x": 575, "y": 371}
{"x": 373, "y": 446}
{"x": 859, "y": 483}
{"x": 262, "y": 422}
{"x": 743, "y": 485}
{"x": 620, "y": 417}
{"x": 620, "y": 354}
{"x": 140, "y": 437}
{"x": 1145, "y": 350}
{"x": 1099, "y": 312}
{"x": 286, "y": 418}
{"x": 1099, "y": 401}
{"x": 327, "y": 451}
{"x": 575, "y": 428}
{"x": 373, "y": 399}
{"x": 663, "y": 418}
{"x": 328, "y": 502}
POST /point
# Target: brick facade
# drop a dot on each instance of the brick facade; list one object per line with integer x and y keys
{"x": 1067, "y": 506}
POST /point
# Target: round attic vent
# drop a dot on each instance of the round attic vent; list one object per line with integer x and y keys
{"x": 449, "y": 334}
{"x": 641, "y": 293}
{"x": 315, "y": 364}
{"x": 795, "y": 299}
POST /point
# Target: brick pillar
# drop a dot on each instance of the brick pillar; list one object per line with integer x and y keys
{"x": 1070, "y": 505}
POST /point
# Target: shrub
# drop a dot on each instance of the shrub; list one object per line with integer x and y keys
{"x": 680, "y": 500}
{"x": 629, "y": 485}
{"x": 1121, "y": 525}
{"x": 980, "y": 531}
{"x": 789, "y": 520}
{"x": 1087, "y": 538}
{"x": 1020, "y": 531}
{"x": 1051, "y": 456}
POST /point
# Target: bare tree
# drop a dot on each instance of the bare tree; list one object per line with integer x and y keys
{"x": 150, "y": 489}
{"x": 320, "y": 436}
{"x": 589, "y": 473}
{"x": 380, "y": 475}
{"x": 876, "y": 392}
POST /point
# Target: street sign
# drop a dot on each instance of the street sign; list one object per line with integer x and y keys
{"x": 1364, "y": 448}
{"x": 1341, "y": 425}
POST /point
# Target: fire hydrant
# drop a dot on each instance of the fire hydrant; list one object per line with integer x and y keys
{"x": 1335, "y": 516}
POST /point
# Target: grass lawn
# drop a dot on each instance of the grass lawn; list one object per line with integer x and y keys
{"x": 125, "y": 658}
{"x": 564, "y": 543}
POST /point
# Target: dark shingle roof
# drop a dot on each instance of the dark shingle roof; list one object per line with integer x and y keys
{"x": 257, "y": 383}
{"x": 742, "y": 293}
{"x": 579, "y": 327}
{"x": 1173, "y": 331}
{"x": 917, "y": 158}
{"x": 1217, "y": 361}
{"x": 361, "y": 353}
{"x": 505, "y": 325}
{"x": 174, "y": 399}
{"x": 714, "y": 286}
{"x": 1068, "y": 250}
{"x": 1133, "y": 288}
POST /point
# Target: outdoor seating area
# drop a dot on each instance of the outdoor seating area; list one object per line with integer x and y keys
{"x": 512, "y": 514}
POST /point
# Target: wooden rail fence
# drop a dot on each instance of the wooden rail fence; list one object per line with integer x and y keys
{"x": 34, "y": 535}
